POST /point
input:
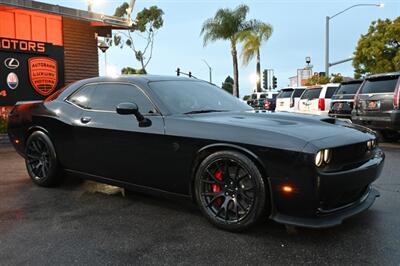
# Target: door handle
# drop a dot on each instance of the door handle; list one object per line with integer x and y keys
{"x": 86, "y": 119}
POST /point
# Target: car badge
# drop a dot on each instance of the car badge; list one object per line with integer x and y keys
{"x": 43, "y": 74}
{"x": 11, "y": 63}
{"x": 12, "y": 80}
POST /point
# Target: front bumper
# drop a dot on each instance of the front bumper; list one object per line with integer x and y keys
{"x": 332, "y": 219}
{"x": 332, "y": 198}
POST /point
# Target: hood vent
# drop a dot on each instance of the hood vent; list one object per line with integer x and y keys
{"x": 329, "y": 120}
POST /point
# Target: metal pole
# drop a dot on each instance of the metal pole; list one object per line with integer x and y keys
{"x": 209, "y": 69}
{"x": 105, "y": 62}
{"x": 327, "y": 46}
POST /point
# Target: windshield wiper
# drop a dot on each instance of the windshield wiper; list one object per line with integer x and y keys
{"x": 204, "y": 111}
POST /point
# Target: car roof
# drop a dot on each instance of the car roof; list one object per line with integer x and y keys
{"x": 383, "y": 75}
{"x": 141, "y": 78}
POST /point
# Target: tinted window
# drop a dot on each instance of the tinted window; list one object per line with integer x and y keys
{"x": 285, "y": 94}
{"x": 274, "y": 96}
{"x": 329, "y": 92}
{"x": 82, "y": 96}
{"x": 297, "y": 93}
{"x": 311, "y": 94}
{"x": 254, "y": 96}
{"x": 263, "y": 96}
{"x": 379, "y": 85}
{"x": 348, "y": 88}
{"x": 192, "y": 96}
{"x": 108, "y": 95}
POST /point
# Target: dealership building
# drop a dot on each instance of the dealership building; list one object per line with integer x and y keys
{"x": 44, "y": 47}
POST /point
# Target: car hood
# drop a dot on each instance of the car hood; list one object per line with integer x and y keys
{"x": 309, "y": 128}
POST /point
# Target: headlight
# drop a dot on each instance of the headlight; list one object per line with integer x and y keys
{"x": 371, "y": 144}
{"x": 323, "y": 156}
{"x": 319, "y": 158}
{"x": 327, "y": 156}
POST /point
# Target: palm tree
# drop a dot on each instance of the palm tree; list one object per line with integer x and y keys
{"x": 252, "y": 39}
{"x": 226, "y": 25}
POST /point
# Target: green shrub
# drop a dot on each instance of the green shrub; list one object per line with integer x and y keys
{"x": 3, "y": 126}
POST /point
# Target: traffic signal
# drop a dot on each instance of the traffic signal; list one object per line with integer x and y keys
{"x": 178, "y": 71}
{"x": 265, "y": 79}
{"x": 274, "y": 82}
{"x": 190, "y": 74}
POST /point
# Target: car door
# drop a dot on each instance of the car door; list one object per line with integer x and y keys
{"x": 115, "y": 146}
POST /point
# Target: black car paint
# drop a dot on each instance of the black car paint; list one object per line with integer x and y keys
{"x": 163, "y": 157}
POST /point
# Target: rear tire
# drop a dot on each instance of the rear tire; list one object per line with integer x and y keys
{"x": 41, "y": 160}
{"x": 230, "y": 191}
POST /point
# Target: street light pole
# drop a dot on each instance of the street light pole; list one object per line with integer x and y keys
{"x": 328, "y": 18}
{"x": 209, "y": 69}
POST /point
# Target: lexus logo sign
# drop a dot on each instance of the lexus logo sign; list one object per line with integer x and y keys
{"x": 11, "y": 63}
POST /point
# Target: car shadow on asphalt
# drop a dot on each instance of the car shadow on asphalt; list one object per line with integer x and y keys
{"x": 266, "y": 228}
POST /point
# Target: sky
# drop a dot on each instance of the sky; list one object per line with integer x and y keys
{"x": 298, "y": 31}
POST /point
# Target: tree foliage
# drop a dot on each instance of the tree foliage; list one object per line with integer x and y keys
{"x": 378, "y": 51}
{"x": 228, "y": 84}
{"x": 252, "y": 39}
{"x": 317, "y": 80}
{"x": 129, "y": 70}
{"x": 336, "y": 78}
{"x": 226, "y": 25}
{"x": 147, "y": 23}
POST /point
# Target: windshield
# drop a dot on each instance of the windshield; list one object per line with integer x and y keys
{"x": 182, "y": 97}
{"x": 380, "y": 85}
{"x": 348, "y": 88}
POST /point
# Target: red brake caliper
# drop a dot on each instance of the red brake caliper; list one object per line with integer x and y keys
{"x": 216, "y": 188}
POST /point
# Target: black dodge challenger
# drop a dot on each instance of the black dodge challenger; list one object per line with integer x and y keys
{"x": 184, "y": 137}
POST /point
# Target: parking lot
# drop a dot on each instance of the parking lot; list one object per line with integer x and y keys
{"x": 74, "y": 224}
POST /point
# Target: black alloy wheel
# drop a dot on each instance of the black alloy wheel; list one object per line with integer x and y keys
{"x": 230, "y": 190}
{"x": 41, "y": 161}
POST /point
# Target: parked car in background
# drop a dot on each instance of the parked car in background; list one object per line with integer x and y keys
{"x": 377, "y": 105}
{"x": 317, "y": 99}
{"x": 264, "y": 100}
{"x": 288, "y": 99}
{"x": 343, "y": 100}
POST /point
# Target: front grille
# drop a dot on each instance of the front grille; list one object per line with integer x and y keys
{"x": 349, "y": 154}
{"x": 330, "y": 202}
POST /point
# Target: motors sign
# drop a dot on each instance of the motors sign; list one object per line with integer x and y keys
{"x": 29, "y": 70}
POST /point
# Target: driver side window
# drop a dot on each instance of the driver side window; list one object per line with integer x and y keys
{"x": 108, "y": 95}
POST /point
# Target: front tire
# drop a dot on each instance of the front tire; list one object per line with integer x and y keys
{"x": 230, "y": 190}
{"x": 41, "y": 160}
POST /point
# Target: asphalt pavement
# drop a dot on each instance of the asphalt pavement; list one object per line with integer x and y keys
{"x": 77, "y": 223}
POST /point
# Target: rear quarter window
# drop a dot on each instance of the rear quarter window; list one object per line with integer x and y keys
{"x": 350, "y": 88}
{"x": 330, "y": 91}
{"x": 383, "y": 85}
{"x": 297, "y": 93}
{"x": 285, "y": 94}
{"x": 311, "y": 94}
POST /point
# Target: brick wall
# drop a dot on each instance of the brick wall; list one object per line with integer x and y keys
{"x": 80, "y": 50}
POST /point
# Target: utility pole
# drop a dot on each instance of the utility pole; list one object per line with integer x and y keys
{"x": 209, "y": 69}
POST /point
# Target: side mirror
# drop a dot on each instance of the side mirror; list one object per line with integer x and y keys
{"x": 133, "y": 109}
{"x": 127, "y": 109}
